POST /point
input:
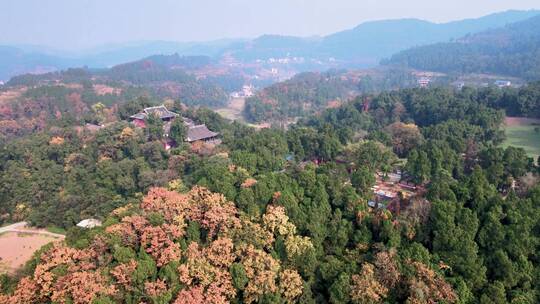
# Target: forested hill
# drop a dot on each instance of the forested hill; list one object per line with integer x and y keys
{"x": 282, "y": 216}
{"x": 383, "y": 38}
{"x": 30, "y": 103}
{"x": 14, "y": 61}
{"x": 169, "y": 61}
{"x": 367, "y": 43}
{"x": 301, "y": 95}
{"x": 20, "y": 59}
{"x": 164, "y": 76}
{"x": 513, "y": 50}
{"x": 144, "y": 71}
{"x": 312, "y": 92}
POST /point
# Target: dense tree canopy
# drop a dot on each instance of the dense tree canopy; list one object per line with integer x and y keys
{"x": 282, "y": 216}
{"x": 512, "y": 50}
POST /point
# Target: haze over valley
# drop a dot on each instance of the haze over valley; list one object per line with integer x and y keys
{"x": 362, "y": 46}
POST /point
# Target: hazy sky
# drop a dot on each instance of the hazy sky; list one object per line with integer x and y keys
{"x": 75, "y": 24}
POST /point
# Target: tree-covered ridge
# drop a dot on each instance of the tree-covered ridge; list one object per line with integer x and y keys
{"x": 194, "y": 245}
{"x": 305, "y": 93}
{"x": 366, "y": 44}
{"x": 38, "y": 108}
{"x": 170, "y": 76}
{"x": 312, "y": 92}
{"x": 78, "y": 96}
{"x": 513, "y": 50}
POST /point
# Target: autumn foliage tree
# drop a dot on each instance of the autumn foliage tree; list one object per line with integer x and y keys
{"x": 144, "y": 255}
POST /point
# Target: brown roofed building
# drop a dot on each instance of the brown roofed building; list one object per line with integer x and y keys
{"x": 194, "y": 132}
{"x": 200, "y": 132}
{"x": 160, "y": 111}
{"x": 188, "y": 122}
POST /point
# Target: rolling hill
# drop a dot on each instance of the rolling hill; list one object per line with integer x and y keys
{"x": 14, "y": 61}
{"x": 369, "y": 42}
{"x": 362, "y": 46}
{"x": 35, "y": 59}
{"x": 513, "y": 50}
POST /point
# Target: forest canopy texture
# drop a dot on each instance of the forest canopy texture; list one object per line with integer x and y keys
{"x": 282, "y": 216}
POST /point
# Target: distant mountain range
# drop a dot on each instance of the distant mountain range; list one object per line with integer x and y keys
{"x": 35, "y": 59}
{"x": 368, "y": 43}
{"x": 14, "y": 61}
{"x": 362, "y": 46}
{"x": 513, "y": 50}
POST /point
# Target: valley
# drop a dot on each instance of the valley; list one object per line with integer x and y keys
{"x": 233, "y": 110}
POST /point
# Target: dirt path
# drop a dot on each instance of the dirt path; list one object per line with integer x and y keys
{"x": 21, "y": 227}
{"x": 13, "y": 226}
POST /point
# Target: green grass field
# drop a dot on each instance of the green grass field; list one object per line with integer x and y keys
{"x": 231, "y": 114}
{"x": 524, "y": 136}
{"x": 57, "y": 230}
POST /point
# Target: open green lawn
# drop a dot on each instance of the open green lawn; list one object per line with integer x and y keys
{"x": 57, "y": 230}
{"x": 524, "y": 136}
{"x": 231, "y": 114}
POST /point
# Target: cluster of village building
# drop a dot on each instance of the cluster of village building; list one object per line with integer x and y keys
{"x": 393, "y": 192}
{"x": 246, "y": 92}
{"x": 425, "y": 81}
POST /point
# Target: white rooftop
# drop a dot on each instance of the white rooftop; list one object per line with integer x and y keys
{"x": 89, "y": 223}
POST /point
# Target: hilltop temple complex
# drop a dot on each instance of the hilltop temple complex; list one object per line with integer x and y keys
{"x": 194, "y": 132}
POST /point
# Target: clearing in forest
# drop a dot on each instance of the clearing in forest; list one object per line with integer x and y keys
{"x": 16, "y": 247}
{"x": 523, "y": 133}
{"x": 233, "y": 110}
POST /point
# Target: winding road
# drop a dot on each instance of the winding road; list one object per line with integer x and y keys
{"x": 21, "y": 227}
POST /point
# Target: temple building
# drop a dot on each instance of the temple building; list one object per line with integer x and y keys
{"x": 194, "y": 132}
{"x": 200, "y": 132}
{"x": 162, "y": 112}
